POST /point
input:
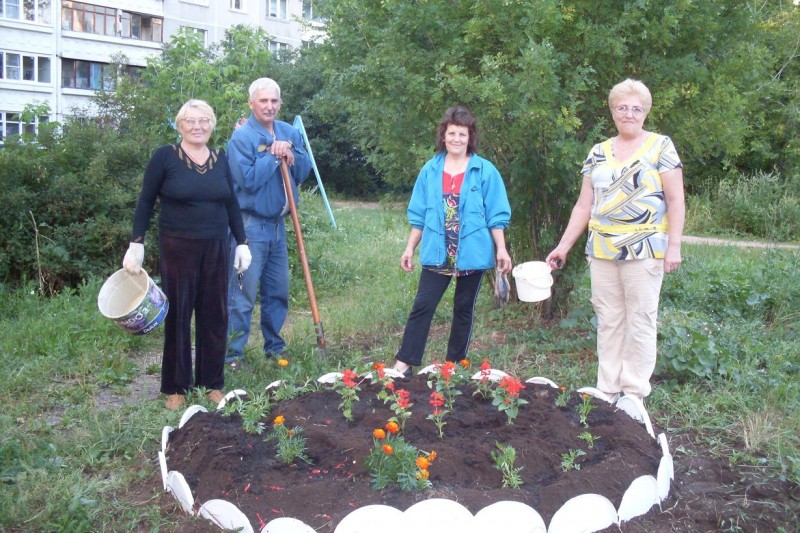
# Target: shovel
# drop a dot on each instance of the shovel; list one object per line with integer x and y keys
{"x": 301, "y": 249}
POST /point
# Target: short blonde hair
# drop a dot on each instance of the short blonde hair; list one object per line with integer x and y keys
{"x": 630, "y": 87}
{"x": 200, "y": 105}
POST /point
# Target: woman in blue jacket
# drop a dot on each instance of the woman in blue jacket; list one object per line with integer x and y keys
{"x": 459, "y": 211}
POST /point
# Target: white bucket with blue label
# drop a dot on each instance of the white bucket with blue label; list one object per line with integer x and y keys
{"x": 133, "y": 301}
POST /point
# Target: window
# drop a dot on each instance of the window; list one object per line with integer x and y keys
{"x": 12, "y": 124}
{"x": 277, "y": 9}
{"x": 31, "y": 10}
{"x": 237, "y": 5}
{"x": 87, "y": 18}
{"x": 197, "y": 31}
{"x": 143, "y": 27}
{"x": 78, "y": 74}
{"x": 277, "y": 47}
{"x": 24, "y": 67}
{"x": 308, "y": 11}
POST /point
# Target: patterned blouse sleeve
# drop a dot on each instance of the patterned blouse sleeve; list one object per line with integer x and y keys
{"x": 588, "y": 165}
{"x": 668, "y": 160}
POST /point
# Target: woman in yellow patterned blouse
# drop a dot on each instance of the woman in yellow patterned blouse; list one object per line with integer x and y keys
{"x": 632, "y": 202}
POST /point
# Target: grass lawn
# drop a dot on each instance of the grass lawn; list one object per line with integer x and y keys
{"x": 82, "y": 416}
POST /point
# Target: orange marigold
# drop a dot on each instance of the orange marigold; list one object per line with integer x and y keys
{"x": 388, "y": 450}
{"x": 432, "y": 456}
{"x": 423, "y": 474}
{"x": 379, "y": 433}
{"x": 279, "y": 420}
{"x": 422, "y": 463}
{"x": 283, "y": 362}
{"x": 464, "y": 363}
{"x": 392, "y": 427}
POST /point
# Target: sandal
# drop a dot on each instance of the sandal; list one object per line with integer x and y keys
{"x": 215, "y": 396}
{"x": 175, "y": 401}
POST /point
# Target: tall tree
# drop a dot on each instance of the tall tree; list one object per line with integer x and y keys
{"x": 537, "y": 72}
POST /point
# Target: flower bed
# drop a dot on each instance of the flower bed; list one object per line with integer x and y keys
{"x": 220, "y": 461}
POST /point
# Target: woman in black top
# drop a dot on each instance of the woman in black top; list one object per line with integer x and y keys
{"x": 198, "y": 207}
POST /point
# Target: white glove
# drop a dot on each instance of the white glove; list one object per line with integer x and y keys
{"x": 134, "y": 258}
{"x": 242, "y": 258}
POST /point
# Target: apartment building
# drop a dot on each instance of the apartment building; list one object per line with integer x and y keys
{"x": 55, "y": 51}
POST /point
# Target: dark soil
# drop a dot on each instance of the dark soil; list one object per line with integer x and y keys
{"x": 219, "y": 460}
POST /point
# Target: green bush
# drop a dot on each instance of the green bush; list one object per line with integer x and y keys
{"x": 763, "y": 205}
{"x": 67, "y": 205}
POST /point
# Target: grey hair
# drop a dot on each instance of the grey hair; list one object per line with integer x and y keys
{"x": 200, "y": 105}
{"x": 264, "y": 84}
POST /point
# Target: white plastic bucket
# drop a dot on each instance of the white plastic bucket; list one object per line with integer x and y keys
{"x": 134, "y": 302}
{"x": 533, "y": 281}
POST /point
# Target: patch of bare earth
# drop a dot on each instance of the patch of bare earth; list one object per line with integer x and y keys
{"x": 219, "y": 460}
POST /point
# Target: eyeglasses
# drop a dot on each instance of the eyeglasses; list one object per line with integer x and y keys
{"x": 202, "y": 122}
{"x": 623, "y": 110}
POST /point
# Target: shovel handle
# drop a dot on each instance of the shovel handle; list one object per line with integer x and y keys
{"x": 301, "y": 250}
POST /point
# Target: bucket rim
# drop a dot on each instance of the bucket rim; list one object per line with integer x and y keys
{"x": 113, "y": 281}
{"x": 532, "y": 270}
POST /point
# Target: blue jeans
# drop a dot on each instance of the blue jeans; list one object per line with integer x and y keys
{"x": 269, "y": 274}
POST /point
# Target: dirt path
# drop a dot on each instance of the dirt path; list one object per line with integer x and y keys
{"x": 714, "y": 241}
{"x": 743, "y": 244}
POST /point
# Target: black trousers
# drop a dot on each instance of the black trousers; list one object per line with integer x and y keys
{"x": 429, "y": 294}
{"x": 194, "y": 277}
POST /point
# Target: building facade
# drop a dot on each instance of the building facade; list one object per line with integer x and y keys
{"x": 55, "y": 51}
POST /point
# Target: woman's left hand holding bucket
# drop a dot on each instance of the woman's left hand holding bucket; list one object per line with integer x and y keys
{"x": 134, "y": 257}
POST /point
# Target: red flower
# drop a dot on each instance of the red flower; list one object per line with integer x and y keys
{"x": 511, "y": 386}
{"x": 437, "y": 400}
{"x": 446, "y": 371}
{"x": 349, "y": 379}
{"x": 379, "y": 367}
{"x": 390, "y": 385}
{"x": 403, "y": 398}
{"x": 486, "y": 370}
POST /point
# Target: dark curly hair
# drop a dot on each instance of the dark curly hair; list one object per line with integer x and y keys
{"x": 458, "y": 116}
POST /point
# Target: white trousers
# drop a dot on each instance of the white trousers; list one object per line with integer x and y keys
{"x": 625, "y": 297}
